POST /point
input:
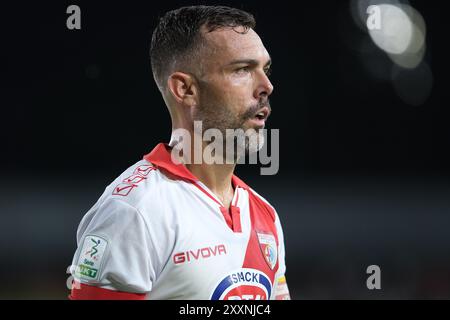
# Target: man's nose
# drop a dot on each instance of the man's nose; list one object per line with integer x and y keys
{"x": 264, "y": 86}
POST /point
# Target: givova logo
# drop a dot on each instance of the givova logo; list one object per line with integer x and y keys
{"x": 243, "y": 284}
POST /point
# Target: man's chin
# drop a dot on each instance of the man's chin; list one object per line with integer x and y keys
{"x": 254, "y": 141}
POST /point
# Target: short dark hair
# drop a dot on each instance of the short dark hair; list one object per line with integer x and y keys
{"x": 178, "y": 35}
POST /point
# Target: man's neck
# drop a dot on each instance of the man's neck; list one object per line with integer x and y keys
{"x": 217, "y": 177}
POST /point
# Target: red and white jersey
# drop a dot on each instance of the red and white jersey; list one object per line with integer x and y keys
{"x": 157, "y": 232}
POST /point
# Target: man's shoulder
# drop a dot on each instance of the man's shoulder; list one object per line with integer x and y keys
{"x": 140, "y": 191}
{"x": 133, "y": 181}
{"x": 141, "y": 183}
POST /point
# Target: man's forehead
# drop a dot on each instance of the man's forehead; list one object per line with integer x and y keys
{"x": 233, "y": 44}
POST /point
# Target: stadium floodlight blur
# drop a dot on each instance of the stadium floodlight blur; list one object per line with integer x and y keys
{"x": 401, "y": 34}
{"x": 399, "y": 30}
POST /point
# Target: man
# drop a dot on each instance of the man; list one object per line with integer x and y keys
{"x": 172, "y": 228}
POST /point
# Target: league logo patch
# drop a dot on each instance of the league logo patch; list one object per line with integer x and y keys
{"x": 268, "y": 246}
{"x": 90, "y": 259}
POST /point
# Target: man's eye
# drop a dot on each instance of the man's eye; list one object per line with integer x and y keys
{"x": 268, "y": 71}
{"x": 243, "y": 70}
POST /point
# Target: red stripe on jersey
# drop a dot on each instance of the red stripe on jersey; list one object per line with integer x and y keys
{"x": 236, "y": 217}
{"x": 161, "y": 157}
{"x": 263, "y": 220}
{"x": 227, "y": 217}
{"x": 86, "y": 292}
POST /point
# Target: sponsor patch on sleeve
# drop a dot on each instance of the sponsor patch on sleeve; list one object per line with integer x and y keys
{"x": 281, "y": 289}
{"x": 90, "y": 259}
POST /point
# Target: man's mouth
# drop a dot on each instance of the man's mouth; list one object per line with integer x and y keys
{"x": 262, "y": 114}
{"x": 260, "y": 117}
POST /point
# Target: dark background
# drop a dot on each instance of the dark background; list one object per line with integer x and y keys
{"x": 364, "y": 176}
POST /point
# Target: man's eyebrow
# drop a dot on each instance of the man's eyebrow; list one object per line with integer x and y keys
{"x": 252, "y": 62}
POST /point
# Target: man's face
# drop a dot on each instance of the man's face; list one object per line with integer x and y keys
{"x": 234, "y": 85}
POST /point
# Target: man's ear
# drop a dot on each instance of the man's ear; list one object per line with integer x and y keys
{"x": 183, "y": 88}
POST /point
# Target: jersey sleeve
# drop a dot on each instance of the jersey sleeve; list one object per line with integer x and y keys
{"x": 281, "y": 291}
{"x": 113, "y": 258}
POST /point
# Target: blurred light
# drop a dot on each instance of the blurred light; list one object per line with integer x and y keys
{"x": 408, "y": 60}
{"x": 398, "y": 30}
{"x": 413, "y": 86}
{"x": 401, "y": 33}
{"x": 359, "y": 10}
{"x": 412, "y": 56}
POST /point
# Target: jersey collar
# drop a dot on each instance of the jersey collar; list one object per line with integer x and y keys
{"x": 160, "y": 157}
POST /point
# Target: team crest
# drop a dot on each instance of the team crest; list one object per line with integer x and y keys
{"x": 268, "y": 246}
